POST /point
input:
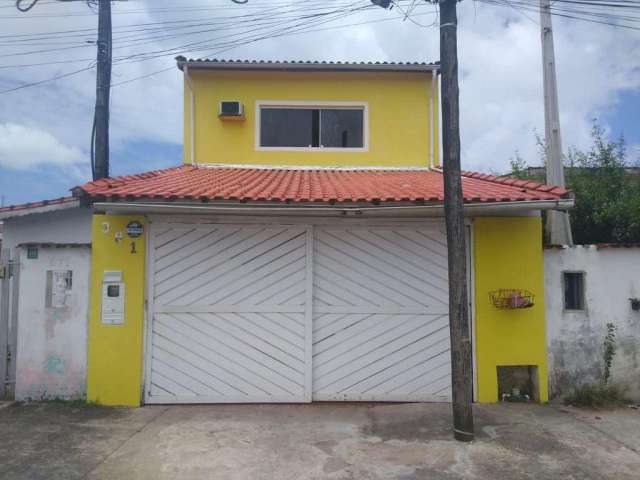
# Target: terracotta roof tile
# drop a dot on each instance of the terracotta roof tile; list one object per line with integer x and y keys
{"x": 312, "y": 185}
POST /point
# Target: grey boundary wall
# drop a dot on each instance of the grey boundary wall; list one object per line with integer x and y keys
{"x": 575, "y": 339}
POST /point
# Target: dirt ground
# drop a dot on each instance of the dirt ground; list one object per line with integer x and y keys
{"x": 317, "y": 441}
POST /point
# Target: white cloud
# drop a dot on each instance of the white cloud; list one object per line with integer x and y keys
{"x": 26, "y": 148}
{"x": 500, "y": 67}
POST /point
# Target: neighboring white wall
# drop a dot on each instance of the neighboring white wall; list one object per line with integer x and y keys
{"x": 52, "y": 340}
{"x": 68, "y": 226}
{"x": 62, "y": 226}
{"x": 575, "y": 339}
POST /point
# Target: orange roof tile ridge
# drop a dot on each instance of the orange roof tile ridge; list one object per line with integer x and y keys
{"x": 512, "y": 181}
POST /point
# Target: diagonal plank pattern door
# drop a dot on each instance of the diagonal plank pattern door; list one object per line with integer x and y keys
{"x": 380, "y": 314}
{"x": 230, "y": 314}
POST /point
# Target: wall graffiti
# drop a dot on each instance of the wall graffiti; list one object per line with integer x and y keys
{"x": 54, "y": 364}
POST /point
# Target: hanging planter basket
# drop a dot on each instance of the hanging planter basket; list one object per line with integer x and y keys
{"x": 511, "y": 298}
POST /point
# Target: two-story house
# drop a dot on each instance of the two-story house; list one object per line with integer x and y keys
{"x": 300, "y": 254}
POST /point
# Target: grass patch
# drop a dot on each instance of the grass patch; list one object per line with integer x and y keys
{"x": 597, "y": 395}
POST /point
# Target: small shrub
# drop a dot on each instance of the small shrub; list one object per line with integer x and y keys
{"x": 609, "y": 351}
{"x": 597, "y": 395}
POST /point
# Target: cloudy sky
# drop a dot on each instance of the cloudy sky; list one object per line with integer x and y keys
{"x": 45, "y": 128}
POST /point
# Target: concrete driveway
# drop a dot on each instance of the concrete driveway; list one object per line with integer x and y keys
{"x": 319, "y": 441}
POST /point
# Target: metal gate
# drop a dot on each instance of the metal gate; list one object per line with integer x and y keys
{"x": 231, "y": 314}
{"x": 268, "y": 313}
{"x": 380, "y": 314}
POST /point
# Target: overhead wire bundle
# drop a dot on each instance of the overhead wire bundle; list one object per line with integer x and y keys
{"x": 616, "y": 13}
{"x": 211, "y": 29}
{"x": 241, "y": 27}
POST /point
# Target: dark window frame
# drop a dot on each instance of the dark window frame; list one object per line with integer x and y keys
{"x": 574, "y": 301}
{"x": 316, "y": 145}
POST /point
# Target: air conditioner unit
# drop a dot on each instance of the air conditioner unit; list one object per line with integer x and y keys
{"x": 231, "y": 110}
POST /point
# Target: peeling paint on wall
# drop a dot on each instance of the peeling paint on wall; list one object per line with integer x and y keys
{"x": 576, "y": 338}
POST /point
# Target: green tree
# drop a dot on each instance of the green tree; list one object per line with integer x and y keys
{"x": 607, "y": 194}
{"x": 519, "y": 167}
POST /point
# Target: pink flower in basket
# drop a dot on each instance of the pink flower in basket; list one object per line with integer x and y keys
{"x": 518, "y": 301}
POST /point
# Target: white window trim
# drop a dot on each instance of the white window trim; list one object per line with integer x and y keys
{"x": 305, "y": 104}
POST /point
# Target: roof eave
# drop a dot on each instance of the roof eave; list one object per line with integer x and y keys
{"x": 306, "y": 67}
{"x": 24, "y": 211}
{"x": 339, "y": 209}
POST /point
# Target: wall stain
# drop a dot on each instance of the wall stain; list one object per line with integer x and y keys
{"x": 54, "y": 364}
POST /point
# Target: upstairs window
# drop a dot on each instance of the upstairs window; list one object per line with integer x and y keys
{"x": 311, "y": 127}
{"x": 573, "y": 290}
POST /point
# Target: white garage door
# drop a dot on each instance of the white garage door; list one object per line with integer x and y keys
{"x": 229, "y": 321}
{"x": 233, "y": 318}
{"x": 380, "y": 315}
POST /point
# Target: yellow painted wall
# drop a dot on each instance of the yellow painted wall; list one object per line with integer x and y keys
{"x": 508, "y": 254}
{"x": 115, "y": 351}
{"x": 398, "y": 116}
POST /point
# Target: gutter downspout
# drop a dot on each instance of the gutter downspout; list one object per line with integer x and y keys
{"x": 436, "y": 117}
{"x": 432, "y": 113}
{"x": 192, "y": 108}
{"x": 431, "y": 125}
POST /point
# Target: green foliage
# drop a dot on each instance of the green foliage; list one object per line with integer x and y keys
{"x": 519, "y": 167}
{"x": 609, "y": 351}
{"x": 597, "y": 395}
{"x": 607, "y": 194}
{"x": 607, "y": 206}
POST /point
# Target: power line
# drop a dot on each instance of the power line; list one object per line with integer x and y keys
{"x": 264, "y": 23}
{"x": 137, "y": 34}
{"x": 218, "y": 52}
{"x": 583, "y": 15}
{"x": 46, "y": 80}
{"x": 386, "y": 19}
{"x": 155, "y": 53}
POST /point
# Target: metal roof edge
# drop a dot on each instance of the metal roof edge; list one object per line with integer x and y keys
{"x": 255, "y": 208}
{"x": 263, "y": 65}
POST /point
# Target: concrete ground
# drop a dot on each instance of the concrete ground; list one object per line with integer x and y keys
{"x": 319, "y": 441}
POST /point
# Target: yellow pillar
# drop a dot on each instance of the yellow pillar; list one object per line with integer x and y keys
{"x": 508, "y": 254}
{"x": 114, "y": 375}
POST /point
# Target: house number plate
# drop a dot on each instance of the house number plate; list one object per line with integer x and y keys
{"x": 134, "y": 229}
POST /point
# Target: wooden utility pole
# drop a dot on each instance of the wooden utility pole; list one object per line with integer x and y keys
{"x": 461, "y": 371}
{"x": 103, "y": 88}
{"x": 461, "y": 363}
{"x": 558, "y": 225}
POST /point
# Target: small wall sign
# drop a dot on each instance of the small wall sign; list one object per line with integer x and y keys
{"x": 134, "y": 229}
